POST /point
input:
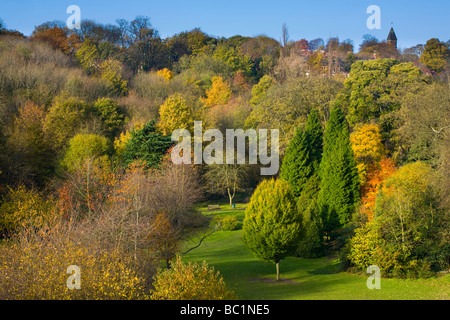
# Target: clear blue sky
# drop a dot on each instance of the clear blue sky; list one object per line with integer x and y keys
{"x": 414, "y": 21}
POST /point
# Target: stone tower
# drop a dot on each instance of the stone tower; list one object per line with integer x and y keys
{"x": 392, "y": 38}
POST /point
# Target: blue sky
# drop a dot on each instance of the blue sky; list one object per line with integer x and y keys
{"x": 414, "y": 21}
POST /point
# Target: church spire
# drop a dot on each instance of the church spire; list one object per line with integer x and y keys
{"x": 392, "y": 38}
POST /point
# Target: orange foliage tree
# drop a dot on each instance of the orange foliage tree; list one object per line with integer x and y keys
{"x": 375, "y": 178}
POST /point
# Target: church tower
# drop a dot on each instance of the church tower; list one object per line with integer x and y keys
{"x": 392, "y": 38}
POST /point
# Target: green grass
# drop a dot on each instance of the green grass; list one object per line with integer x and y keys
{"x": 321, "y": 278}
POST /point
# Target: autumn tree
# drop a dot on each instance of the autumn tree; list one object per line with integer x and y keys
{"x": 175, "y": 113}
{"x": 24, "y": 208}
{"x": 218, "y": 94}
{"x": 111, "y": 70}
{"x": 272, "y": 224}
{"x": 367, "y": 148}
{"x": 58, "y": 37}
{"x": 31, "y": 156}
{"x": 408, "y": 216}
{"x": 64, "y": 118}
{"x": 374, "y": 180}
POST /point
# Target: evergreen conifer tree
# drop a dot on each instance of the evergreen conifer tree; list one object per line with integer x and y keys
{"x": 339, "y": 184}
{"x": 303, "y": 154}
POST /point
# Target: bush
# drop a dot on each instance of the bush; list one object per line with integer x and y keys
{"x": 191, "y": 281}
{"x": 36, "y": 269}
{"x": 228, "y": 223}
{"x": 24, "y": 208}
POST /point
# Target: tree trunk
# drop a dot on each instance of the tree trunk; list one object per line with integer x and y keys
{"x": 278, "y": 271}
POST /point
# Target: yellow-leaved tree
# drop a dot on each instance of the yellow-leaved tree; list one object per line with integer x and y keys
{"x": 218, "y": 94}
{"x": 166, "y": 74}
{"x": 175, "y": 113}
{"x": 367, "y": 148}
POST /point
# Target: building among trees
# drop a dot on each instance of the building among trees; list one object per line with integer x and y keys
{"x": 392, "y": 38}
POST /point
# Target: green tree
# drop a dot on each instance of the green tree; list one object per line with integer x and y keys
{"x": 111, "y": 70}
{"x": 303, "y": 155}
{"x": 374, "y": 88}
{"x": 88, "y": 56}
{"x": 286, "y": 105}
{"x": 435, "y": 55}
{"x": 146, "y": 144}
{"x": 64, "y": 118}
{"x": 259, "y": 90}
{"x": 84, "y": 146}
{"x": 339, "y": 180}
{"x": 111, "y": 116}
{"x": 312, "y": 244}
{"x": 272, "y": 224}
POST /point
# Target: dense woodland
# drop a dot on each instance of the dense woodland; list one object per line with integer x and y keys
{"x": 86, "y": 118}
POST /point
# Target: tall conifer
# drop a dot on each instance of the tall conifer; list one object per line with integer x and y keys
{"x": 303, "y": 155}
{"x": 339, "y": 184}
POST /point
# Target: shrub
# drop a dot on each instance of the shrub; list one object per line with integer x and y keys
{"x": 229, "y": 223}
{"x": 191, "y": 281}
{"x": 36, "y": 269}
{"x": 24, "y": 208}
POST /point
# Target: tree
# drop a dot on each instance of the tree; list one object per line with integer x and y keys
{"x": 85, "y": 146}
{"x": 146, "y": 144}
{"x": 435, "y": 55}
{"x": 227, "y": 177}
{"x": 111, "y": 70}
{"x": 286, "y": 105}
{"x": 175, "y": 113}
{"x": 367, "y": 148}
{"x": 58, "y": 37}
{"x": 312, "y": 244}
{"x": 303, "y": 155}
{"x": 374, "y": 89}
{"x": 272, "y": 224}
{"x": 375, "y": 178}
{"x": 31, "y": 155}
{"x": 406, "y": 206}
{"x": 218, "y": 94}
{"x": 189, "y": 281}
{"x": 166, "y": 74}
{"x": 88, "y": 56}
{"x": 259, "y": 90}
{"x": 64, "y": 118}
{"x": 22, "y": 209}
{"x": 409, "y": 219}
{"x": 111, "y": 116}
{"x": 339, "y": 181}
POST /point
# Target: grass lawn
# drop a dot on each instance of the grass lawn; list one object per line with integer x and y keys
{"x": 251, "y": 278}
